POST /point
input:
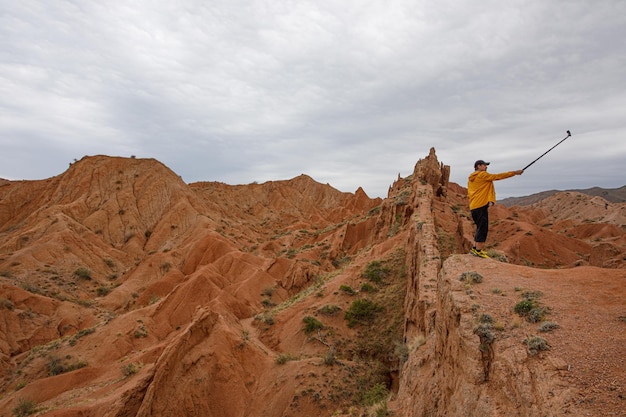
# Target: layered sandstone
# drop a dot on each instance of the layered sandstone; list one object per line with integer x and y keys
{"x": 126, "y": 292}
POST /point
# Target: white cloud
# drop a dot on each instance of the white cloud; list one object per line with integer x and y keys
{"x": 351, "y": 93}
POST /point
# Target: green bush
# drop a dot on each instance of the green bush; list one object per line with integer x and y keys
{"x": 283, "y": 358}
{"x": 347, "y": 289}
{"x": 329, "y": 310}
{"x": 103, "y": 290}
{"x": 24, "y": 408}
{"x": 375, "y": 394}
{"x": 130, "y": 369}
{"x": 79, "y": 334}
{"x": 530, "y": 307}
{"x": 362, "y": 311}
{"x": 311, "y": 324}
{"x": 55, "y": 367}
{"x": 524, "y": 307}
{"x": 376, "y": 271}
{"x": 83, "y": 273}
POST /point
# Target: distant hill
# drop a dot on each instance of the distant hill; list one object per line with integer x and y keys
{"x": 612, "y": 195}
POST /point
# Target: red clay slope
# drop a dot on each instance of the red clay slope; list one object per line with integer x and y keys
{"x": 126, "y": 292}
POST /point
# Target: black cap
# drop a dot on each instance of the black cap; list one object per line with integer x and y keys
{"x": 480, "y": 162}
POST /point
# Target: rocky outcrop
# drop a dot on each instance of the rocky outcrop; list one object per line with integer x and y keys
{"x": 126, "y": 292}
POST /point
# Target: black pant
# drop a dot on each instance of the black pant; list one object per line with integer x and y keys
{"x": 481, "y": 218}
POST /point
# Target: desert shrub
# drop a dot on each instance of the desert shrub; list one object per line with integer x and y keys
{"x": 329, "y": 310}
{"x": 532, "y": 295}
{"x": 375, "y": 394}
{"x": 30, "y": 288}
{"x": 130, "y": 369}
{"x": 83, "y": 273}
{"x": 548, "y": 326}
{"x": 376, "y": 271}
{"x": 330, "y": 359}
{"x": 471, "y": 277}
{"x": 267, "y": 303}
{"x": 138, "y": 334}
{"x": 536, "y": 314}
{"x": 165, "y": 267}
{"x": 283, "y": 358}
{"x": 362, "y": 311}
{"x": 497, "y": 256}
{"x": 347, "y": 289}
{"x": 486, "y": 318}
{"x": 536, "y": 344}
{"x": 311, "y": 324}
{"x": 486, "y": 336}
{"x": 530, "y": 307}
{"x": 366, "y": 287}
{"x": 401, "y": 352}
{"x": 338, "y": 263}
{"x": 6, "y": 303}
{"x": 524, "y": 307}
{"x": 56, "y": 366}
{"x": 103, "y": 290}
{"x": 24, "y": 408}
{"x": 79, "y": 334}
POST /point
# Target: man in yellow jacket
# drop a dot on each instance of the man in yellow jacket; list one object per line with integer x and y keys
{"x": 482, "y": 195}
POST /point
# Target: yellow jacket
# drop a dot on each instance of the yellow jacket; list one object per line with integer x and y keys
{"x": 480, "y": 189}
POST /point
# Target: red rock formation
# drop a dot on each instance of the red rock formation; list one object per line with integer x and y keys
{"x": 126, "y": 292}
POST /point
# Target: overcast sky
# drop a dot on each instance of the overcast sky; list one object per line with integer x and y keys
{"x": 349, "y": 92}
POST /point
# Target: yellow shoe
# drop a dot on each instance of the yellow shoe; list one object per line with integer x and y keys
{"x": 480, "y": 253}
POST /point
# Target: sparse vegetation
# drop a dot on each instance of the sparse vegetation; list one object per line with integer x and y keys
{"x": 5, "y": 303}
{"x": 103, "y": 291}
{"x": 548, "y": 326}
{"x": 311, "y": 324}
{"x": 330, "y": 359}
{"x": 83, "y": 273}
{"x": 530, "y": 308}
{"x": 57, "y": 366}
{"x": 347, "y": 289}
{"x": 524, "y": 307}
{"x": 536, "y": 344}
{"x": 362, "y": 311}
{"x": 486, "y": 336}
{"x": 130, "y": 369}
{"x": 329, "y": 310}
{"x": 375, "y": 394}
{"x": 79, "y": 334}
{"x": 25, "y": 407}
{"x": 471, "y": 277}
{"x": 376, "y": 272}
{"x": 140, "y": 332}
{"x": 283, "y": 358}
